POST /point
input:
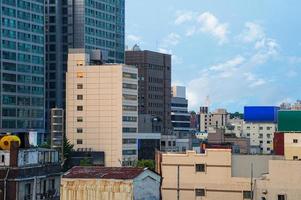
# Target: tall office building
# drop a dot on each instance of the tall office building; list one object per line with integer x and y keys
{"x": 22, "y": 66}
{"x": 89, "y": 24}
{"x": 154, "y": 84}
{"x": 102, "y": 107}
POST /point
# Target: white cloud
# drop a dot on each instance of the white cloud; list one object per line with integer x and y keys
{"x": 252, "y": 32}
{"x": 228, "y": 65}
{"x": 210, "y": 24}
{"x": 133, "y": 38}
{"x": 183, "y": 17}
{"x": 172, "y": 39}
{"x": 203, "y": 23}
{"x": 175, "y": 59}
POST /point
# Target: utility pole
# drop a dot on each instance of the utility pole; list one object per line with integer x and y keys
{"x": 252, "y": 196}
{"x": 178, "y": 183}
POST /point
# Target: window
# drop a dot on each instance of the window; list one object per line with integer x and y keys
{"x": 281, "y": 197}
{"x": 129, "y": 130}
{"x": 268, "y": 135}
{"x": 260, "y": 128}
{"x": 129, "y": 97}
{"x": 129, "y": 75}
{"x": 80, "y": 119}
{"x": 200, "y": 167}
{"x": 295, "y": 157}
{"x": 130, "y": 108}
{"x": 129, "y": 141}
{"x": 2, "y": 158}
{"x": 27, "y": 191}
{"x": 79, "y": 130}
{"x": 163, "y": 143}
{"x": 199, "y": 192}
{"x": 80, "y": 74}
{"x": 129, "y": 119}
{"x": 247, "y": 194}
{"x": 268, "y": 142}
{"x": 79, "y": 141}
{"x": 269, "y": 128}
{"x": 129, "y": 86}
{"x": 80, "y": 97}
{"x": 80, "y": 108}
{"x": 295, "y": 141}
{"x": 80, "y": 63}
{"x": 80, "y": 86}
{"x": 129, "y": 152}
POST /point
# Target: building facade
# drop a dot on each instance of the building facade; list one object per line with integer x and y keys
{"x": 22, "y": 66}
{"x": 260, "y": 126}
{"x": 217, "y": 119}
{"x": 288, "y": 144}
{"x": 102, "y": 107}
{"x": 110, "y": 184}
{"x": 91, "y": 24}
{"x": 29, "y": 174}
{"x": 154, "y": 84}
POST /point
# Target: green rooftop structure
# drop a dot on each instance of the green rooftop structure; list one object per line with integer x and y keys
{"x": 289, "y": 121}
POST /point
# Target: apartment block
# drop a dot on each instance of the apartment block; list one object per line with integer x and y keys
{"x": 217, "y": 119}
{"x": 288, "y": 144}
{"x": 154, "y": 71}
{"x": 102, "y": 106}
{"x": 260, "y": 126}
{"x": 22, "y": 60}
{"x": 215, "y": 174}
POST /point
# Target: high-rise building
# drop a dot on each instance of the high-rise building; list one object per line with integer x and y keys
{"x": 22, "y": 66}
{"x": 89, "y": 24}
{"x": 102, "y": 107}
{"x": 154, "y": 84}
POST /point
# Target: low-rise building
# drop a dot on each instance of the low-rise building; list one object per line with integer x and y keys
{"x": 213, "y": 175}
{"x": 281, "y": 183}
{"x": 288, "y": 144}
{"x": 108, "y": 183}
{"x": 29, "y": 173}
{"x": 260, "y": 126}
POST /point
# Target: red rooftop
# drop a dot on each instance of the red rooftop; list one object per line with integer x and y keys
{"x": 103, "y": 172}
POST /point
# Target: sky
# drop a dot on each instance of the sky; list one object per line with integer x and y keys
{"x": 228, "y": 53}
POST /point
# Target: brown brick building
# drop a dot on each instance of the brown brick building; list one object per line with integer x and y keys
{"x": 154, "y": 94}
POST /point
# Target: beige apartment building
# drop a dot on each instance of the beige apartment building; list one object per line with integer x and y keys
{"x": 292, "y": 146}
{"x": 218, "y": 119}
{"x": 202, "y": 176}
{"x": 213, "y": 175}
{"x": 101, "y": 106}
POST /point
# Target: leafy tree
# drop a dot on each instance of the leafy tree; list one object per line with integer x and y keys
{"x": 67, "y": 148}
{"x": 150, "y": 164}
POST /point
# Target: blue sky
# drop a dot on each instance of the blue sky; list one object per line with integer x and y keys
{"x": 236, "y": 52}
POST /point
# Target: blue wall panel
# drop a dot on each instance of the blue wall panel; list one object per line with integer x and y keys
{"x": 261, "y": 114}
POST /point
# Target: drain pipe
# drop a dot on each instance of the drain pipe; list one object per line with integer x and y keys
{"x": 5, "y": 184}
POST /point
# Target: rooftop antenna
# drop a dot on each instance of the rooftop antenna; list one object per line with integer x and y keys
{"x": 207, "y": 101}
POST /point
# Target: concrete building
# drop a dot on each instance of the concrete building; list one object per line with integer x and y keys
{"x": 102, "y": 106}
{"x": 180, "y": 118}
{"x": 93, "y": 24}
{"x": 110, "y": 184}
{"x": 213, "y": 175}
{"x": 235, "y": 125}
{"x": 281, "y": 183}
{"x": 288, "y": 144}
{"x": 29, "y": 173}
{"x": 218, "y": 119}
{"x": 260, "y": 126}
{"x": 240, "y": 145}
{"x": 22, "y": 63}
{"x": 154, "y": 84}
{"x": 57, "y": 130}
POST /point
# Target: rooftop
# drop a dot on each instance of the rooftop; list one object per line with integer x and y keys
{"x": 103, "y": 172}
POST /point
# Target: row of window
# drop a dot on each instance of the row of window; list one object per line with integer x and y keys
{"x": 22, "y": 101}
{"x": 23, "y": 79}
{"x": 23, "y": 68}
{"x": 22, "y": 47}
{"x": 23, "y": 57}
{"x": 22, "y": 112}
{"x": 10, "y": 123}
{"x": 23, "y": 89}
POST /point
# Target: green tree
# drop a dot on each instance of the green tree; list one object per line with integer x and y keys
{"x": 150, "y": 164}
{"x": 67, "y": 148}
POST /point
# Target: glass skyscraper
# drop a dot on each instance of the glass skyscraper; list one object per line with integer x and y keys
{"x": 22, "y": 65}
{"x": 89, "y": 24}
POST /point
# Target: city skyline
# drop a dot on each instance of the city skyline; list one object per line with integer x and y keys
{"x": 248, "y": 57}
